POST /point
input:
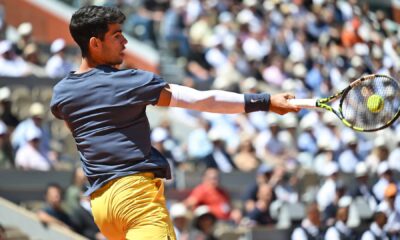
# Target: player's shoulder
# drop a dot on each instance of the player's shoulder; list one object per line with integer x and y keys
{"x": 136, "y": 73}
{"x": 59, "y": 84}
{"x": 136, "y": 78}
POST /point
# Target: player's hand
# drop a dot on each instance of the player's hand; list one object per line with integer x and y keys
{"x": 280, "y": 105}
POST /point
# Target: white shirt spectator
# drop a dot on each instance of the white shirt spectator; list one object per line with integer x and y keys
{"x": 326, "y": 133}
{"x": 58, "y": 67}
{"x": 393, "y": 159}
{"x": 333, "y": 233}
{"x": 379, "y": 188}
{"x": 321, "y": 161}
{"x": 11, "y": 65}
{"x": 393, "y": 222}
{"x": 326, "y": 194}
{"x": 29, "y": 157}
{"x": 297, "y": 51}
{"x": 199, "y": 145}
{"x": 14, "y": 68}
{"x": 255, "y": 49}
{"x": 374, "y": 232}
{"x": 306, "y": 225}
{"x": 348, "y": 161}
{"x": 216, "y": 57}
{"x": 193, "y": 11}
{"x": 18, "y": 138}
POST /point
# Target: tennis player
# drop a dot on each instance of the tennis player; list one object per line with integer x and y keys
{"x": 104, "y": 107}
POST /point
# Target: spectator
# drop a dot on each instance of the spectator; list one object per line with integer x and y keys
{"x": 141, "y": 24}
{"x": 327, "y": 192}
{"x": 260, "y": 215}
{"x": 58, "y": 66}
{"x": 331, "y": 131}
{"x": 307, "y": 140}
{"x": 219, "y": 158}
{"x": 362, "y": 189}
{"x": 392, "y": 226}
{"x": 216, "y": 55}
{"x": 199, "y": 144}
{"x": 53, "y": 213}
{"x": 7, "y": 116}
{"x": 263, "y": 175}
{"x": 11, "y": 65}
{"x": 289, "y": 133}
{"x": 394, "y": 155}
{"x": 29, "y": 156}
{"x": 73, "y": 192}
{"x": 311, "y": 226}
{"x": 32, "y": 56}
{"x": 285, "y": 185}
{"x": 163, "y": 140}
{"x": 201, "y": 30}
{"x": 329, "y": 214}
{"x": 181, "y": 220}
{"x": 228, "y": 77}
{"x": 37, "y": 114}
{"x": 340, "y": 230}
{"x": 245, "y": 159}
{"x": 82, "y": 219}
{"x": 324, "y": 156}
{"x": 6, "y": 155}
{"x": 273, "y": 74}
{"x": 174, "y": 28}
{"x": 378, "y": 154}
{"x": 198, "y": 69}
{"x": 25, "y": 31}
{"x": 204, "y": 222}
{"x": 349, "y": 158}
{"x": 257, "y": 46}
{"x": 385, "y": 178}
{"x": 376, "y": 230}
{"x": 273, "y": 151}
{"x": 158, "y": 137}
{"x": 211, "y": 194}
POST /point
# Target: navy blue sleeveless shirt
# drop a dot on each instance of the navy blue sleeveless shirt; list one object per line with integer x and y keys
{"x": 105, "y": 109}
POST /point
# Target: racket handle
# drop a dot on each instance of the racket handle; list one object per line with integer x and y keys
{"x": 304, "y": 103}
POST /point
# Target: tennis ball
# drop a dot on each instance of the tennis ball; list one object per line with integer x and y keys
{"x": 375, "y": 103}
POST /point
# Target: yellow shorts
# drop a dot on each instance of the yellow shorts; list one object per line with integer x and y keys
{"x": 132, "y": 207}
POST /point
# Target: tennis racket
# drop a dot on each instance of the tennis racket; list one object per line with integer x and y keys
{"x": 368, "y": 104}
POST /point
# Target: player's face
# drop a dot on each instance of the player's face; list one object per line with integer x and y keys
{"x": 113, "y": 45}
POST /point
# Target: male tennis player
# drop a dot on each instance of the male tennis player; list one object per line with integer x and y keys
{"x": 105, "y": 109}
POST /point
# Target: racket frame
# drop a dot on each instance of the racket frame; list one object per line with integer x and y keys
{"x": 322, "y": 103}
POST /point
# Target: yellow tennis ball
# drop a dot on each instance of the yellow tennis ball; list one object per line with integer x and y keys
{"x": 375, "y": 103}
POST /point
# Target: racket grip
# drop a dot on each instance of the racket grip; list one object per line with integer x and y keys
{"x": 304, "y": 103}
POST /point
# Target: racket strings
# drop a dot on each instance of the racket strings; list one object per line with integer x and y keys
{"x": 383, "y": 94}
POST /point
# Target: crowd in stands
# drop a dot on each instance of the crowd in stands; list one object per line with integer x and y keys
{"x": 310, "y": 48}
{"x": 21, "y": 55}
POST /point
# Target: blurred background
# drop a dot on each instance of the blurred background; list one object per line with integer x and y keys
{"x": 244, "y": 176}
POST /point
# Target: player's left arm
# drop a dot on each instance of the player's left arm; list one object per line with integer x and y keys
{"x": 218, "y": 101}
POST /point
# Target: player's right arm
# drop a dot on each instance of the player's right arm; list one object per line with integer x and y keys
{"x": 218, "y": 101}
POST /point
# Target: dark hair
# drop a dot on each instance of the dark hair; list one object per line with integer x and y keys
{"x": 92, "y": 21}
{"x": 54, "y": 185}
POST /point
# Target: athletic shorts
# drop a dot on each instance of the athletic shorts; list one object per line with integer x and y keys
{"x": 133, "y": 208}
